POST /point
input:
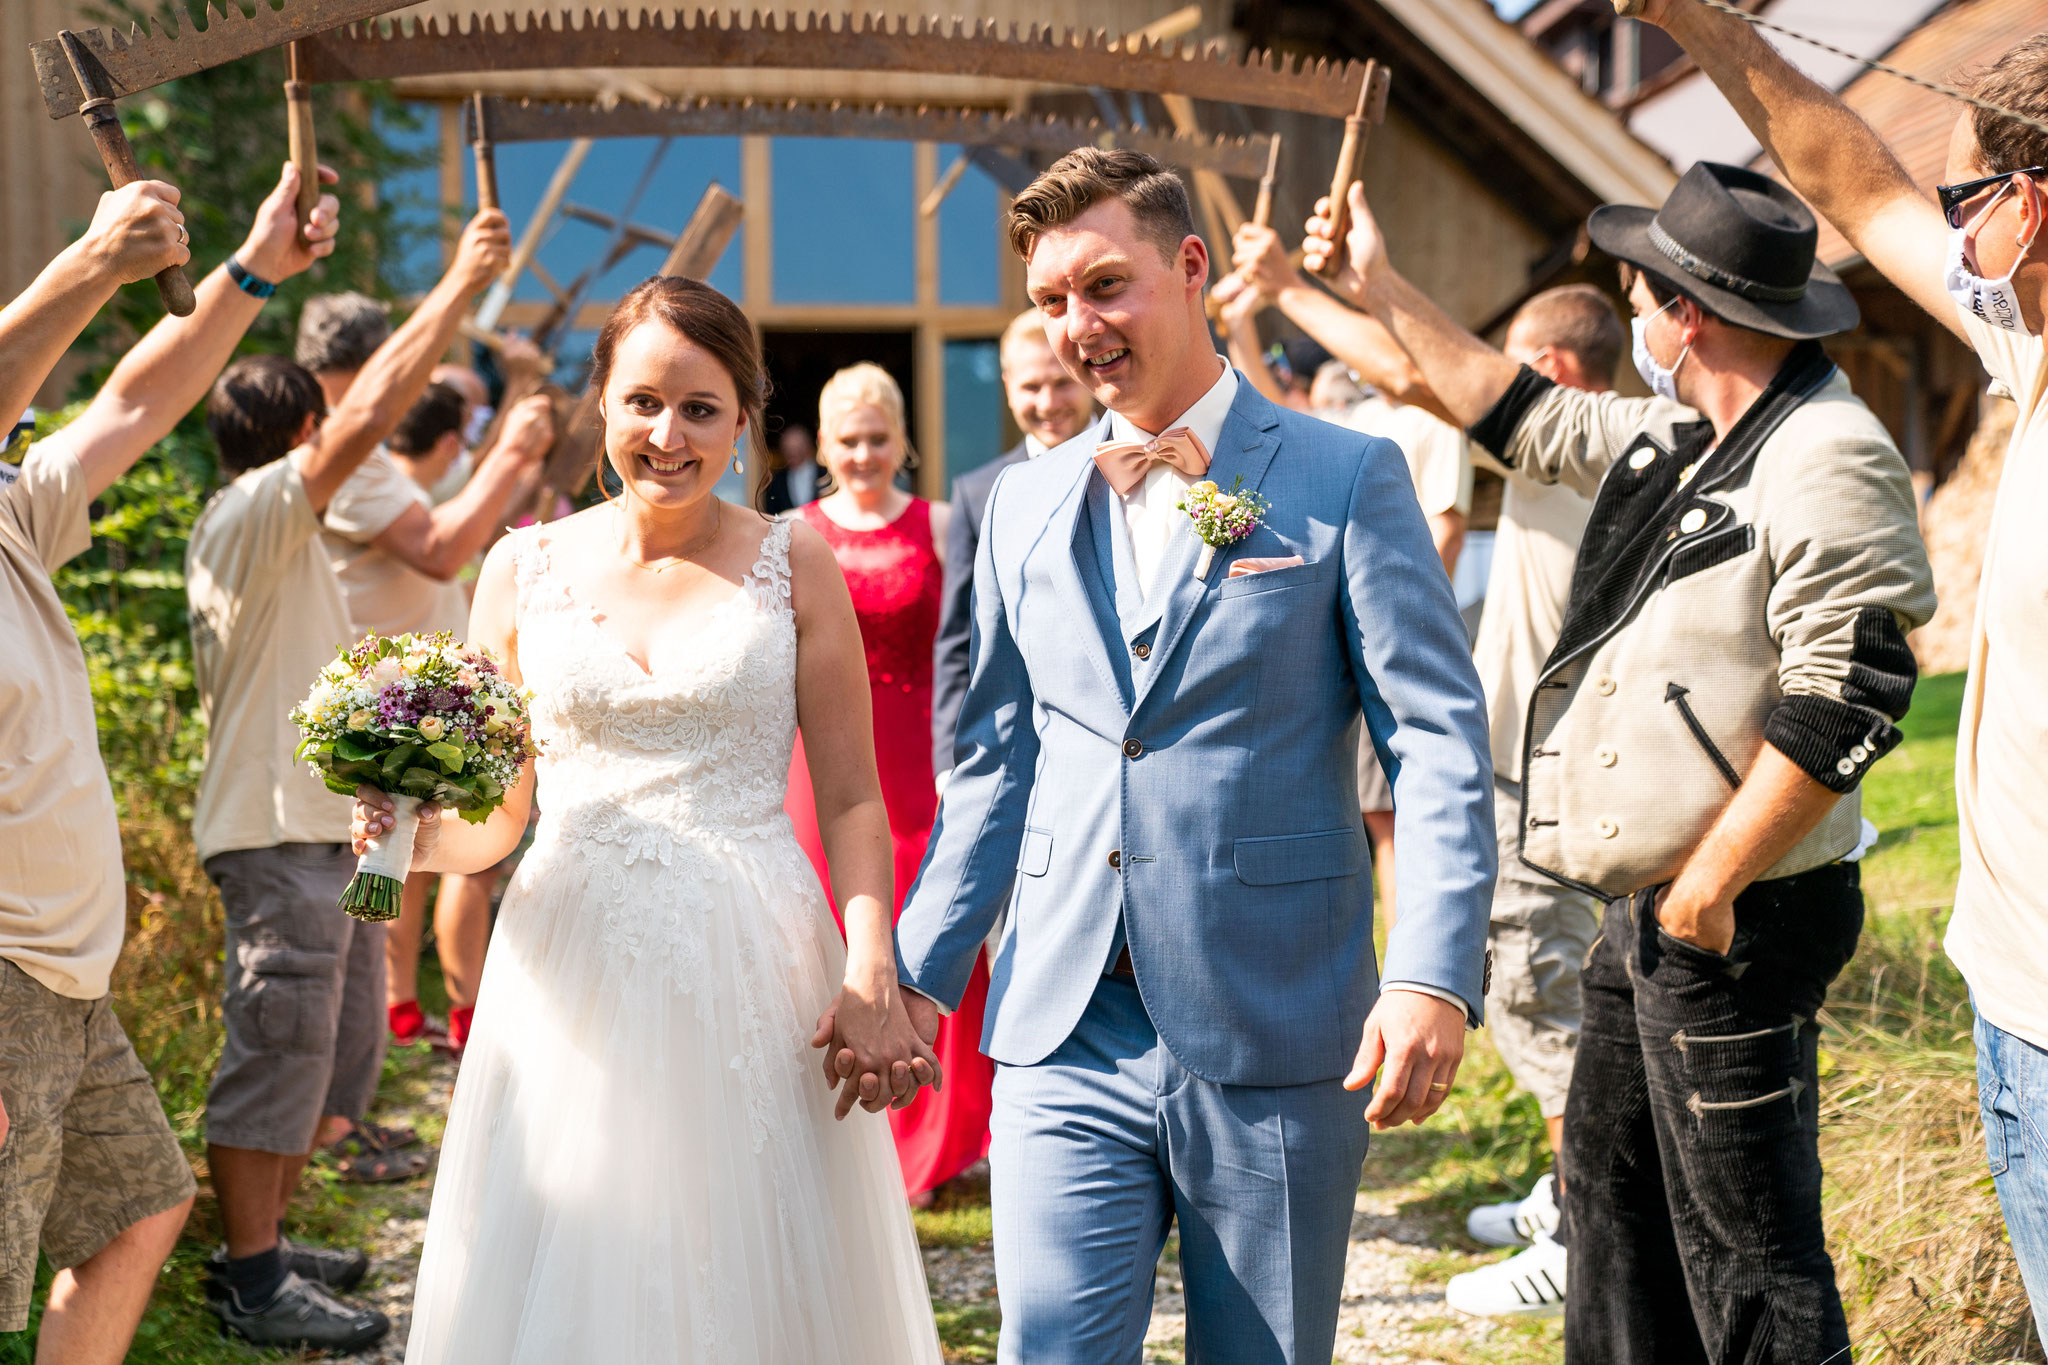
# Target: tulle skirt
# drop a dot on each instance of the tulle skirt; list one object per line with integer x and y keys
{"x": 641, "y": 1165}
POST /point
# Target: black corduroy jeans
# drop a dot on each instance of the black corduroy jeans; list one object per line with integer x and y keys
{"x": 1691, "y": 1162}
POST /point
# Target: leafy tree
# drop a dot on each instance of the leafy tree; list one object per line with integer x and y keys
{"x": 220, "y": 137}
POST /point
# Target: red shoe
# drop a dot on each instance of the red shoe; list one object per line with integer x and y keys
{"x": 459, "y": 1023}
{"x": 408, "y": 1022}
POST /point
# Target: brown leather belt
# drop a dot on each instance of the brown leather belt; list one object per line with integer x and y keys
{"x": 1122, "y": 965}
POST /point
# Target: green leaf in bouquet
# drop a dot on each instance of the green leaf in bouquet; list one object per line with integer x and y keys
{"x": 340, "y": 786}
{"x": 475, "y": 815}
{"x": 354, "y": 750}
{"x": 401, "y": 758}
{"x": 421, "y": 782}
{"x": 449, "y": 756}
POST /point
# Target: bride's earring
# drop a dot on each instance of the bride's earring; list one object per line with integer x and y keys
{"x": 739, "y": 466}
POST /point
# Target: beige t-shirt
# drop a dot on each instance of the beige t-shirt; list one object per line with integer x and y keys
{"x": 1435, "y": 449}
{"x": 63, "y": 903}
{"x": 385, "y": 594}
{"x": 1999, "y": 934}
{"x": 267, "y": 616}
{"x": 1534, "y": 549}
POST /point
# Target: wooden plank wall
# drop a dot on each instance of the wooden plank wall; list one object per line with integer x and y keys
{"x": 52, "y": 179}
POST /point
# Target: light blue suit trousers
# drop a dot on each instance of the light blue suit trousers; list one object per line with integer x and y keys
{"x": 1099, "y": 1147}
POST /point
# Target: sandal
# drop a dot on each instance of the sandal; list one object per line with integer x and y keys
{"x": 361, "y": 1160}
{"x": 388, "y": 1139}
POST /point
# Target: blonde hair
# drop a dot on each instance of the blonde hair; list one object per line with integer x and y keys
{"x": 864, "y": 385}
{"x": 1027, "y": 328}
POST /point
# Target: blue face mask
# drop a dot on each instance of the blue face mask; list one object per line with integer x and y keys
{"x": 1662, "y": 382}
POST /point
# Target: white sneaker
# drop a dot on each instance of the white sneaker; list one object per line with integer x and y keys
{"x": 1529, "y": 1285}
{"x": 1516, "y": 1224}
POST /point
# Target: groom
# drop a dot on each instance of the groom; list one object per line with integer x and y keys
{"x": 1161, "y": 764}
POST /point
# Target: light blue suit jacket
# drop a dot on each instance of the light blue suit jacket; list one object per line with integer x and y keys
{"x": 1209, "y": 789}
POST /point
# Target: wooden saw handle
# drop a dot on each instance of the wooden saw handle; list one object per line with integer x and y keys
{"x": 305, "y": 151}
{"x": 119, "y": 158}
{"x": 1357, "y": 128}
{"x": 486, "y": 158}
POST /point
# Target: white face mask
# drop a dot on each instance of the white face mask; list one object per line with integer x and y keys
{"x": 479, "y": 421}
{"x": 1662, "y": 382}
{"x": 1994, "y": 301}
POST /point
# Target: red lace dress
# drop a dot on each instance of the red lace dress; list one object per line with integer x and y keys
{"x": 894, "y": 575}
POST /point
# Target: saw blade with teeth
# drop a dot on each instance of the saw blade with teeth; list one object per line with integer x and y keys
{"x": 147, "y": 54}
{"x": 550, "y": 121}
{"x": 620, "y": 38}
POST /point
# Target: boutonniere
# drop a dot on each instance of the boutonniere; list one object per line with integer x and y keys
{"x": 1221, "y": 519}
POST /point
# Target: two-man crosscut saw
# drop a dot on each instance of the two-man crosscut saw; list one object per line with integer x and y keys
{"x": 548, "y": 121}
{"x": 617, "y": 38}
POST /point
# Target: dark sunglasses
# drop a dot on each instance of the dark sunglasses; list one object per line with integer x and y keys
{"x": 1953, "y": 197}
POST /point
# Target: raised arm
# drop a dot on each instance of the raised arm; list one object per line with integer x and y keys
{"x": 1356, "y": 338}
{"x": 135, "y": 232}
{"x": 395, "y": 376}
{"x": 437, "y": 542}
{"x": 169, "y": 370}
{"x": 1241, "y": 338}
{"x": 1821, "y": 146}
{"x": 1467, "y": 376}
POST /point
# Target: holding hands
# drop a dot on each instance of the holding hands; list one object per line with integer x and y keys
{"x": 877, "y": 1039}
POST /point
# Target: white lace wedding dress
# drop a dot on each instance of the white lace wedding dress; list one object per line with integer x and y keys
{"x": 641, "y": 1165}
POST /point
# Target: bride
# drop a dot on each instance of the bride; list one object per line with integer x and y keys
{"x": 640, "y": 1163}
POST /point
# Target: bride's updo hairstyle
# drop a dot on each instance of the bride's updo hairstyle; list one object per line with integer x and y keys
{"x": 699, "y": 314}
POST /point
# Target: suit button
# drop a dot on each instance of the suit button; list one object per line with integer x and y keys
{"x": 1143, "y": 651}
{"x": 1605, "y": 756}
{"x": 1606, "y": 828}
{"x": 1132, "y": 748}
{"x": 1116, "y": 859}
{"x": 1604, "y": 685}
{"x": 1692, "y": 521}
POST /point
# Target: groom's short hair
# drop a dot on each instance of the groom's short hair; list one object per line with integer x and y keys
{"x": 1086, "y": 176}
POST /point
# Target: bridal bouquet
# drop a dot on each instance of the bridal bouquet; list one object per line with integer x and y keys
{"x": 425, "y": 720}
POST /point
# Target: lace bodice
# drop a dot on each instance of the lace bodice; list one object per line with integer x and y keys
{"x": 643, "y": 759}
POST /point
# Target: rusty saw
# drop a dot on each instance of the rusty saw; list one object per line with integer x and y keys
{"x": 539, "y": 121}
{"x": 618, "y": 38}
{"x": 147, "y": 54}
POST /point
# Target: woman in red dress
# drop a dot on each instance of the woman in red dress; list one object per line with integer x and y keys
{"x": 888, "y": 544}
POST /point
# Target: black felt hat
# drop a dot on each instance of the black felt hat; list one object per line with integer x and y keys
{"x": 1738, "y": 243}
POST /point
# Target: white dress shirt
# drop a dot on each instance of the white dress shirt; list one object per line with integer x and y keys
{"x": 1149, "y": 515}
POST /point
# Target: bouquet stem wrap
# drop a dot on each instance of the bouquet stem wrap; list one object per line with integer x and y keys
{"x": 373, "y": 893}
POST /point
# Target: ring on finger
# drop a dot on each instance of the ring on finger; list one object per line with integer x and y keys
{"x": 1439, "y": 1085}
{"x": 183, "y": 235}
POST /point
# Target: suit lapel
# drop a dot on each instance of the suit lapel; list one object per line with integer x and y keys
{"x": 1245, "y": 448}
{"x": 1074, "y": 571}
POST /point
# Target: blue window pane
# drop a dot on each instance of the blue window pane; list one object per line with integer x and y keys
{"x": 844, "y": 212}
{"x": 974, "y": 407}
{"x": 415, "y": 198}
{"x": 969, "y": 267}
{"x": 610, "y": 174}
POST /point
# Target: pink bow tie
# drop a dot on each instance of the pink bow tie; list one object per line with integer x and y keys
{"x": 1124, "y": 463}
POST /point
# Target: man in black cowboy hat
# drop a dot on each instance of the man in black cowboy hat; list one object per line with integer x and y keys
{"x": 1732, "y": 660}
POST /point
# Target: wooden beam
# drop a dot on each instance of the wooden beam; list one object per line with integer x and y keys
{"x": 757, "y": 188}
{"x": 705, "y": 237}
{"x": 453, "y": 188}
{"x": 536, "y": 232}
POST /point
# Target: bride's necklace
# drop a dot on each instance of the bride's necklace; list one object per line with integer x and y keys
{"x": 682, "y": 556}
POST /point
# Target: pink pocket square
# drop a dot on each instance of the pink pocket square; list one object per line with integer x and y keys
{"x": 1243, "y": 567}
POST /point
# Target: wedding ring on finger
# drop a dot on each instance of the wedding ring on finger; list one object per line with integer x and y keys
{"x": 183, "y": 235}
{"x": 1439, "y": 1085}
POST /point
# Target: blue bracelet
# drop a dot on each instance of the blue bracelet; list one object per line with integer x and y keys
{"x": 249, "y": 284}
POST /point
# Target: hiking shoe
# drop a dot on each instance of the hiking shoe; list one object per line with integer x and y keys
{"x": 1528, "y": 1285}
{"x": 301, "y": 1314}
{"x": 336, "y": 1269}
{"x": 1516, "y": 1223}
